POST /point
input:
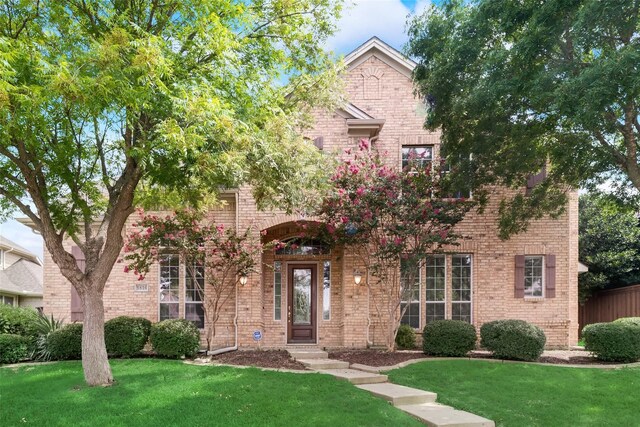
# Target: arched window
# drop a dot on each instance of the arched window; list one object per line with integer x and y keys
{"x": 302, "y": 246}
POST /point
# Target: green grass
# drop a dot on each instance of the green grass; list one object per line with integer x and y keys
{"x": 154, "y": 392}
{"x": 518, "y": 394}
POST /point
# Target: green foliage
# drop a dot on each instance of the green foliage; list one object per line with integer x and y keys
{"x": 453, "y": 338}
{"x": 126, "y": 336}
{"x": 44, "y": 327}
{"x": 66, "y": 342}
{"x": 518, "y": 84}
{"x": 613, "y": 342}
{"x": 628, "y": 320}
{"x": 406, "y": 337}
{"x": 18, "y": 320}
{"x": 175, "y": 338}
{"x": 513, "y": 339}
{"x": 13, "y": 348}
{"x": 609, "y": 235}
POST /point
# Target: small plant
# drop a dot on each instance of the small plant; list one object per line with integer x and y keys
{"x": 126, "y": 336}
{"x": 406, "y": 337}
{"x": 44, "y": 327}
{"x": 13, "y": 348}
{"x": 66, "y": 342}
{"x": 175, "y": 338}
{"x": 453, "y": 338}
{"x": 613, "y": 342}
{"x": 513, "y": 339}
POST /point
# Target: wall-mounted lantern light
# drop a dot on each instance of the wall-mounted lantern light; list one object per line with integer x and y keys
{"x": 243, "y": 280}
{"x": 357, "y": 276}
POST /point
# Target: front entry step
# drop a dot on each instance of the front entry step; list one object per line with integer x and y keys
{"x": 322, "y": 364}
{"x": 435, "y": 415}
{"x": 400, "y": 395}
{"x": 307, "y": 353}
{"x": 356, "y": 377}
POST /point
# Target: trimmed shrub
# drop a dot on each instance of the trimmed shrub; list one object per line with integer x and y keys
{"x": 628, "y": 320}
{"x": 44, "y": 327}
{"x": 613, "y": 342}
{"x": 406, "y": 337}
{"x": 175, "y": 338}
{"x": 18, "y": 321}
{"x": 453, "y": 338}
{"x": 66, "y": 342}
{"x": 513, "y": 339}
{"x": 13, "y": 348}
{"x": 126, "y": 336}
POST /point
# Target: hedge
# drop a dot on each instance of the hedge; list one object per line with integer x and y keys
{"x": 175, "y": 338}
{"x": 18, "y": 320}
{"x": 66, "y": 342}
{"x": 628, "y": 320}
{"x": 453, "y": 338}
{"x": 613, "y": 342}
{"x": 513, "y": 339}
{"x": 13, "y": 348}
{"x": 126, "y": 336}
{"x": 406, "y": 337}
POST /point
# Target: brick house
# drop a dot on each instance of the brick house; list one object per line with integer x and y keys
{"x": 532, "y": 276}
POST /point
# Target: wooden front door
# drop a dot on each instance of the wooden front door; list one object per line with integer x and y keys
{"x": 302, "y": 281}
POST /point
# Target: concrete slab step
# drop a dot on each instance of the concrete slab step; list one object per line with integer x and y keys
{"x": 399, "y": 394}
{"x": 435, "y": 415}
{"x": 306, "y": 354}
{"x": 321, "y": 364}
{"x": 356, "y": 377}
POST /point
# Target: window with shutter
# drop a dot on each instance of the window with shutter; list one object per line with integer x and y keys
{"x": 77, "y": 309}
{"x": 519, "y": 277}
{"x": 536, "y": 179}
{"x": 319, "y": 142}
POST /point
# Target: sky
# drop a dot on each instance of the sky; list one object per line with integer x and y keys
{"x": 361, "y": 20}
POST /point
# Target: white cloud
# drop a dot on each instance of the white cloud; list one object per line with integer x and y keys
{"x": 364, "y": 19}
{"x": 22, "y": 235}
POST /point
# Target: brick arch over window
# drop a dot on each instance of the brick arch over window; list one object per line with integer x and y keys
{"x": 285, "y": 230}
{"x": 283, "y": 219}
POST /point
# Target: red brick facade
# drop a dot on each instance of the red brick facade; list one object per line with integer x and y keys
{"x": 379, "y": 88}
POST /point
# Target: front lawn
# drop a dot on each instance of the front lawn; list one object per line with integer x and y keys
{"x": 156, "y": 392}
{"x": 518, "y": 394}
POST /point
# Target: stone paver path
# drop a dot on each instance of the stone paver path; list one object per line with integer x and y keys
{"x": 418, "y": 403}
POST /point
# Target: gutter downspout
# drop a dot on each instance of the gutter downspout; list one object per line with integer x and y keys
{"x": 234, "y": 347}
{"x": 369, "y": 342}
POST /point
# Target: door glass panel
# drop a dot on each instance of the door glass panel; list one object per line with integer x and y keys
{"x": 302, "y": 296}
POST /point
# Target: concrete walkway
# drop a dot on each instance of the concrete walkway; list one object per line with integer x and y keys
{"x": 418, "y": 403}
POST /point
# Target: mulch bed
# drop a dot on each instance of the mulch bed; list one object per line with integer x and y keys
{"x": 375, "y": 357}
{"x": 278, "y": 359}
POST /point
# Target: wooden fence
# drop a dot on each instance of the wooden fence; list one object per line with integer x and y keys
{"x": 605, "y": 306}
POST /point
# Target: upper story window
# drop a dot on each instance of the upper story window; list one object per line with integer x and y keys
{"x": 300, "y": 246}
{"x": 417, "y": 156}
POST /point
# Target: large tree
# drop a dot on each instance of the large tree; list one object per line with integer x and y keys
{"x": 105, "y": 104}
{"x": 517, "y": 85}
{"x": 609, "y": 244}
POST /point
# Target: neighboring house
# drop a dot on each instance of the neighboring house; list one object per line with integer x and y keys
{"x": 532, "y": 276}
{"x": 20, "y": 276}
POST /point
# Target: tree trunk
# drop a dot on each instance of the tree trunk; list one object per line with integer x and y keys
{"x": 94, "y": 353}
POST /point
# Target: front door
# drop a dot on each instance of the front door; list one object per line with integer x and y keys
{"x": 302, "y": 303}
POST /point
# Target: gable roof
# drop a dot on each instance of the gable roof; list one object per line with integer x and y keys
{"x": 9, "y": 245}
{"x": 22, "y": 278}
{"x": 376, "y": 47}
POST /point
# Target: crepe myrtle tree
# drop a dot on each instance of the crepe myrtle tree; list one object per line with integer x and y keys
{"x": 390, "y": 218}
{"x": 214, "y": 257}
{"x": 515, "y": 86}
{"x": 106, "y": 105}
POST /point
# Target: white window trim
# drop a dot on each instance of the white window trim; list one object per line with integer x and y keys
{"x": 446, "y": 294}
{"x": 432, "y": 146}
{"x": 158, "y": 287}
{"x": 183, "y": 279}
{"x": 542, "y": 274}
{"x": 471, "y": 279}
{"x": 420, "y": 323}
{"x": 330, "y": 285}
{"x": 274, "y": 290}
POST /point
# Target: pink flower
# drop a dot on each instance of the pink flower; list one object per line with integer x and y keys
{"x": 126, "y": 269}
{"x": 141, "y": 277}
{"x": 344, "y": 219}
{"x": 383, "y": 241}
{"x": 444, "y": 234}
{"x": 220, "y": 228}
{"x": 364, "y": 144}
{"x": 331, "y": 229}
{"x": 360, "y": 191}
{"x": 397, "y": 241}
{"x": 263, "y": 233}
{"x": 347, "y": 151}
